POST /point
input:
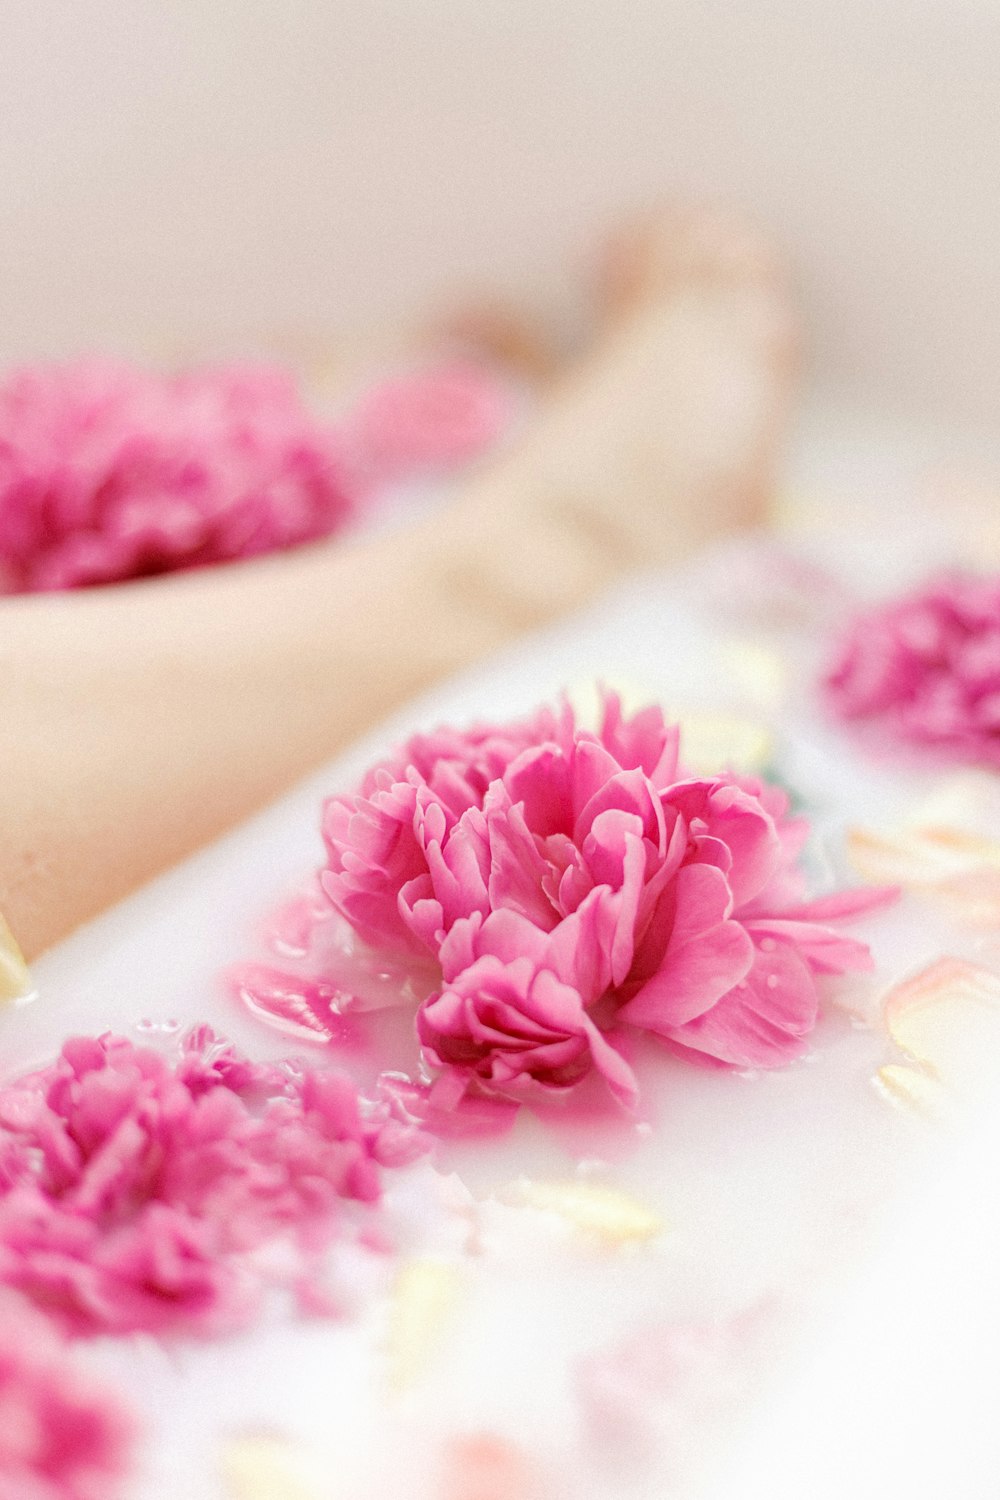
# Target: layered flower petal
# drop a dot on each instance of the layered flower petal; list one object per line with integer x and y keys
{"x": 510, "y": 1025}
{"x": 585, "y": 889}
{"x": 132, "y": 1191}
{"x": 62, "y": 1437}
{"x": 704, "y": 954}
{"x": 926, "y": 668}
{"x": 762, "y": 1022}
{"x": 110, "y": 472}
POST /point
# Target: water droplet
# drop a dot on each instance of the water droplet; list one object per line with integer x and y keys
{"x": 148, "y": 1027}
{"x": 772, "y": 981}
{"x": 767, "y": 945}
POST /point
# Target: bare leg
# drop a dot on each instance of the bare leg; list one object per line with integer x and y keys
{"x": 141, "y": 721}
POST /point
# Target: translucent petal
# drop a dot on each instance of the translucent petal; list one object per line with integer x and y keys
{"x": 424, "y": 1298}
{"x": 606, "y": 1212}
{"x": 265, "y": 1466}
{"x": 911, "y": 1089}
{"x": 947, "y": 1018}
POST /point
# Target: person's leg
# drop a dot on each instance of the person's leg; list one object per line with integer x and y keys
{"x": 138, "y": 722}
{"x": 663, "y": 437}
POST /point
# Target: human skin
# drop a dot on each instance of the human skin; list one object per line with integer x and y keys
{"x": 140, "y": 721}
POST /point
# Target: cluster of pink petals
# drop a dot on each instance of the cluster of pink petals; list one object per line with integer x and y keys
{"x": 134, "y": 1190}
{"x": 927, "y": 668}
{"x": 111, "y": 472}
{"x": 570, "y": 886}
{"x": 61, "y": 1438}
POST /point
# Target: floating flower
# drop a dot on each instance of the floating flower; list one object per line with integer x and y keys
{"x": 372, "y": 840}
{"x": 926, "y": 667}
{"x": 61, "y": 1436}
{"x": 133, "y": 1192}
{"x": 111, "y": 472}
{"x": 567, "y": 886}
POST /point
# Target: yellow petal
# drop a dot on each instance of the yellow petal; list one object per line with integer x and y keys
{"x": 15, "y": 980}
{"x": 423, "y": 1301}
{"x": 265, "y": 1467}
{"x": 605, "y": 1212}
{"x": 972, "y": 898}
{"x": 947, "y": 1017}
{"x": 713, "y": 742}
{"x": 911, "y": 857}
{"x": 913, "y": 1090}
{"x": 959, "y": 870}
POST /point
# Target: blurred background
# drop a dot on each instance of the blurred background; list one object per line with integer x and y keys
{"x": 200, "y": 174}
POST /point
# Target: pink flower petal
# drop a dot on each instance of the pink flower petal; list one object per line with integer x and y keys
{"x": 762, "y": 1022}
{"x": 569, "y": 888}
{"x": 62, "y": 1437}
{"x": 706, "y": 956}
{"x": 177, "y": 1174}
{"x": 926, "y": 668}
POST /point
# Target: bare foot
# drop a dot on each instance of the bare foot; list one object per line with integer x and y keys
{"x": 664, "y": 437}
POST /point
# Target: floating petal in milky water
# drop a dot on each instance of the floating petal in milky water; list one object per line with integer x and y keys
{"x": 947, "y": 1019}
{"x": 596, "y": 1209}
{"x": 913, "y": 1090}
{"x": 424, "y": 1298}
{"x": 920, "y": 855}
{"x": 266, "y": 1466}
{"x": 958, "y": 869}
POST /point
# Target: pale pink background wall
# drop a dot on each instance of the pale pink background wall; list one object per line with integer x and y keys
{"x": 178, "y": 171}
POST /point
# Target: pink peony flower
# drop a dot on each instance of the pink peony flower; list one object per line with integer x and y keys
{"x": 926, "y": 667}
{"x": 111, "y": 472}
{"x": 133, "y": 1192}
{"x": 569, "y": 886}
{"x": 372, "y": 840}
{"x": 516, "y": 1023}
{"x": 61, "y": 1437}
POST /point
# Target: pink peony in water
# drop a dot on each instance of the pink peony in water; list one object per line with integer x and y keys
{"x": 134, "y": 1192}
{"x": 926, "y": 668}
{"x": 111, "y": 472}
{"x": 571, "y": 886}
{"x": 61, "y": 1436}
